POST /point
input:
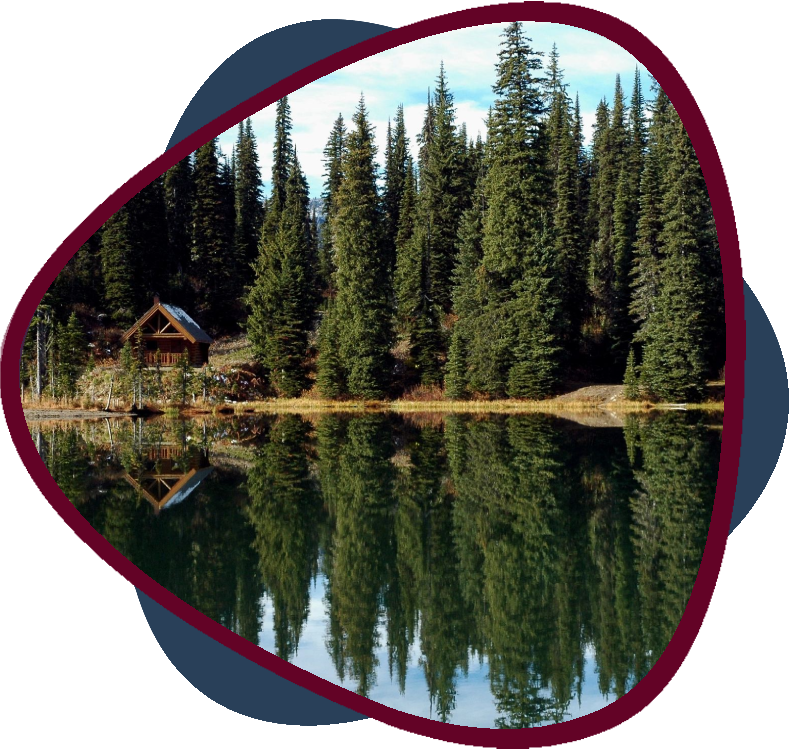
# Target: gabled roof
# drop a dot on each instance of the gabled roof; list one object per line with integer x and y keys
{"x": 179, "y": 318}
{"x": 176, "y": 493}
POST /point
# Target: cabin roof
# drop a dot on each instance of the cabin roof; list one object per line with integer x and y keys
{"x": 179, "y": 318}
{"x": 185, "y": 486}
{"x": 179, "y": 494}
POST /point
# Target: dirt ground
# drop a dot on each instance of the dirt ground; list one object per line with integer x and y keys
{"x": 595, "y": 394}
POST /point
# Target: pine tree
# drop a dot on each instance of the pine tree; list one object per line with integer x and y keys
{"x": 118, "y": 263}
{"x": 626, "y": 216}
{"x": 331, "y": 377}
{"x": 397, "y": 161}
{"x": 683, "y": 326}
{"x": 183, "y": 372}
{"x": 150, "y": 242}
{"x": 178, "y": 189}
{"x": 248, "y": 201}
{"x": 631, "y": 379}
{"x": 517, "y": 186}
{"x": 333, "y": 154}
{"x": 623, "y": 238}
{"x": 227, "y": 184}
{"x": 569, "y": 226}
{"x": 425, "y": 137}
{"x": 455, "y": 379}
{"x": 553, "y": 83}
{"x": 282, "y": 154}
{"x": 427, "y": 258}
{"x": 71, "y": 347}
{"x": 443, "y": 197}
{"x": 127, "y": 366}
{"x": 602, "y": 207}
{"x": 362, "y": 280}
{"x": 407, "y": 278}
{"x": 647, "y": 254}
{"x": 279, "y": 300}
{"x": 555, "y": 100}
{"x": 296, "y": 308}
{"x": 211, "y": 251}
{"x": 537, "y": 351}
{"x": 584, "y": 170}
{"x": 468, "y": 300}
{"x": 518, "y": 255}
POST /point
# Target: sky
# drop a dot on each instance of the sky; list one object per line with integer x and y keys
{"x": 404, "y": 74}
{"x": 475, "y": 706}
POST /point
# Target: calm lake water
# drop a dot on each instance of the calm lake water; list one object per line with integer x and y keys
{"x": 499, "y": 571}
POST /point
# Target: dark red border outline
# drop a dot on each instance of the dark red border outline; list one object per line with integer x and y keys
{"x": 664, "y": 669}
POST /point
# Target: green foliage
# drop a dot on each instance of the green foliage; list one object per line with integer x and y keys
{"x": 282, "y": 155}
{"x": 631, "y": 378}
{"x": 455, "y": 379}
{"x": 127, "y": 364}
{"x": 677, "y": 342}
{"x": 117, "y": 263}
{"x": 285, "y": 509}
{"x": 537, "y": 353}
{"x": 398, "y": 165}
{"x": 568, "y": 223}
{"x": 514, "y": 337}
{"x": 212, "y": 256}
{"x": 280, "y": 309}
{"x": 331, "y": 379}
{"x": 508, "y": 540}
{"x": 184, "y": 375}
{"x": 333, "y": 154}
{"x": 178, "y": 199}
{"x": 497, "y": 268}
{"x": 408, "y": 273}
{"x": 362, "y": 278}
{"x": 248, "y": 202}
{"x": 71, "y": 344}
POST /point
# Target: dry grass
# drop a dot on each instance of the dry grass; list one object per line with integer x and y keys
{"x": 549, "y": 406}
{"x": 231, "y": 351}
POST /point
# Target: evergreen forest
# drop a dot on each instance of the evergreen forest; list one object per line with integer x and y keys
{"x": 508, "y": 266}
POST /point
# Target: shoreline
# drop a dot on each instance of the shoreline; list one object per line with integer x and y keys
{"x": 594, "y": 400}
{"x": 320, "y": 406}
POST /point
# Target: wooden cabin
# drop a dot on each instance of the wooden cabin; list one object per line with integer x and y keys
{"x": 166, "y": 332}
{"x": 170, "y": 475}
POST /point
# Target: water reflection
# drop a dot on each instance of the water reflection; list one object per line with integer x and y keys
{"x": 506, "y": 571}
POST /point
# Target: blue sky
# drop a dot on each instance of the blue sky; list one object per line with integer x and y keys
{"x": 475, "y": 705}
{"x": 403, "y": 75}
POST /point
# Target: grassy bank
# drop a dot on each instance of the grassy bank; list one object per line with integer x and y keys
{"x": 551, "y": 406}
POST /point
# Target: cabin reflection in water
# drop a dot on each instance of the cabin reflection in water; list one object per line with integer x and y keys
{"x": 170, "y": 473}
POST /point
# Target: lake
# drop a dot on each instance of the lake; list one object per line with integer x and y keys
{"x": 485, "y": 570}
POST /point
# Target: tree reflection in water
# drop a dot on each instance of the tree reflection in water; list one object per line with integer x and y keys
{"x": 549, "y": 558}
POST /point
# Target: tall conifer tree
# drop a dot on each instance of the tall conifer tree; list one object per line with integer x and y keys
{"x": 682, "y": 329}
{"x": 333, "y": 155}
{"x": 279, "y": 300}
{"x": 178, "y": 197}
{"x": 362, "y": 310}
{"x": 249, "y": 202}
{"x": 211, "y": 250}
{"x": 282, "y": 155}
{"x": 517, "y": 243}
{"x": 150, "y": 242}
{"x": 397, "y": 160}
{"x": 569, "y": 227}
{"x": 117, "y": 263}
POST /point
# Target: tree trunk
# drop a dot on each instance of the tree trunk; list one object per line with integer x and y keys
{"x": 41, "y": 355}
{"x": 110, "y": 391}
